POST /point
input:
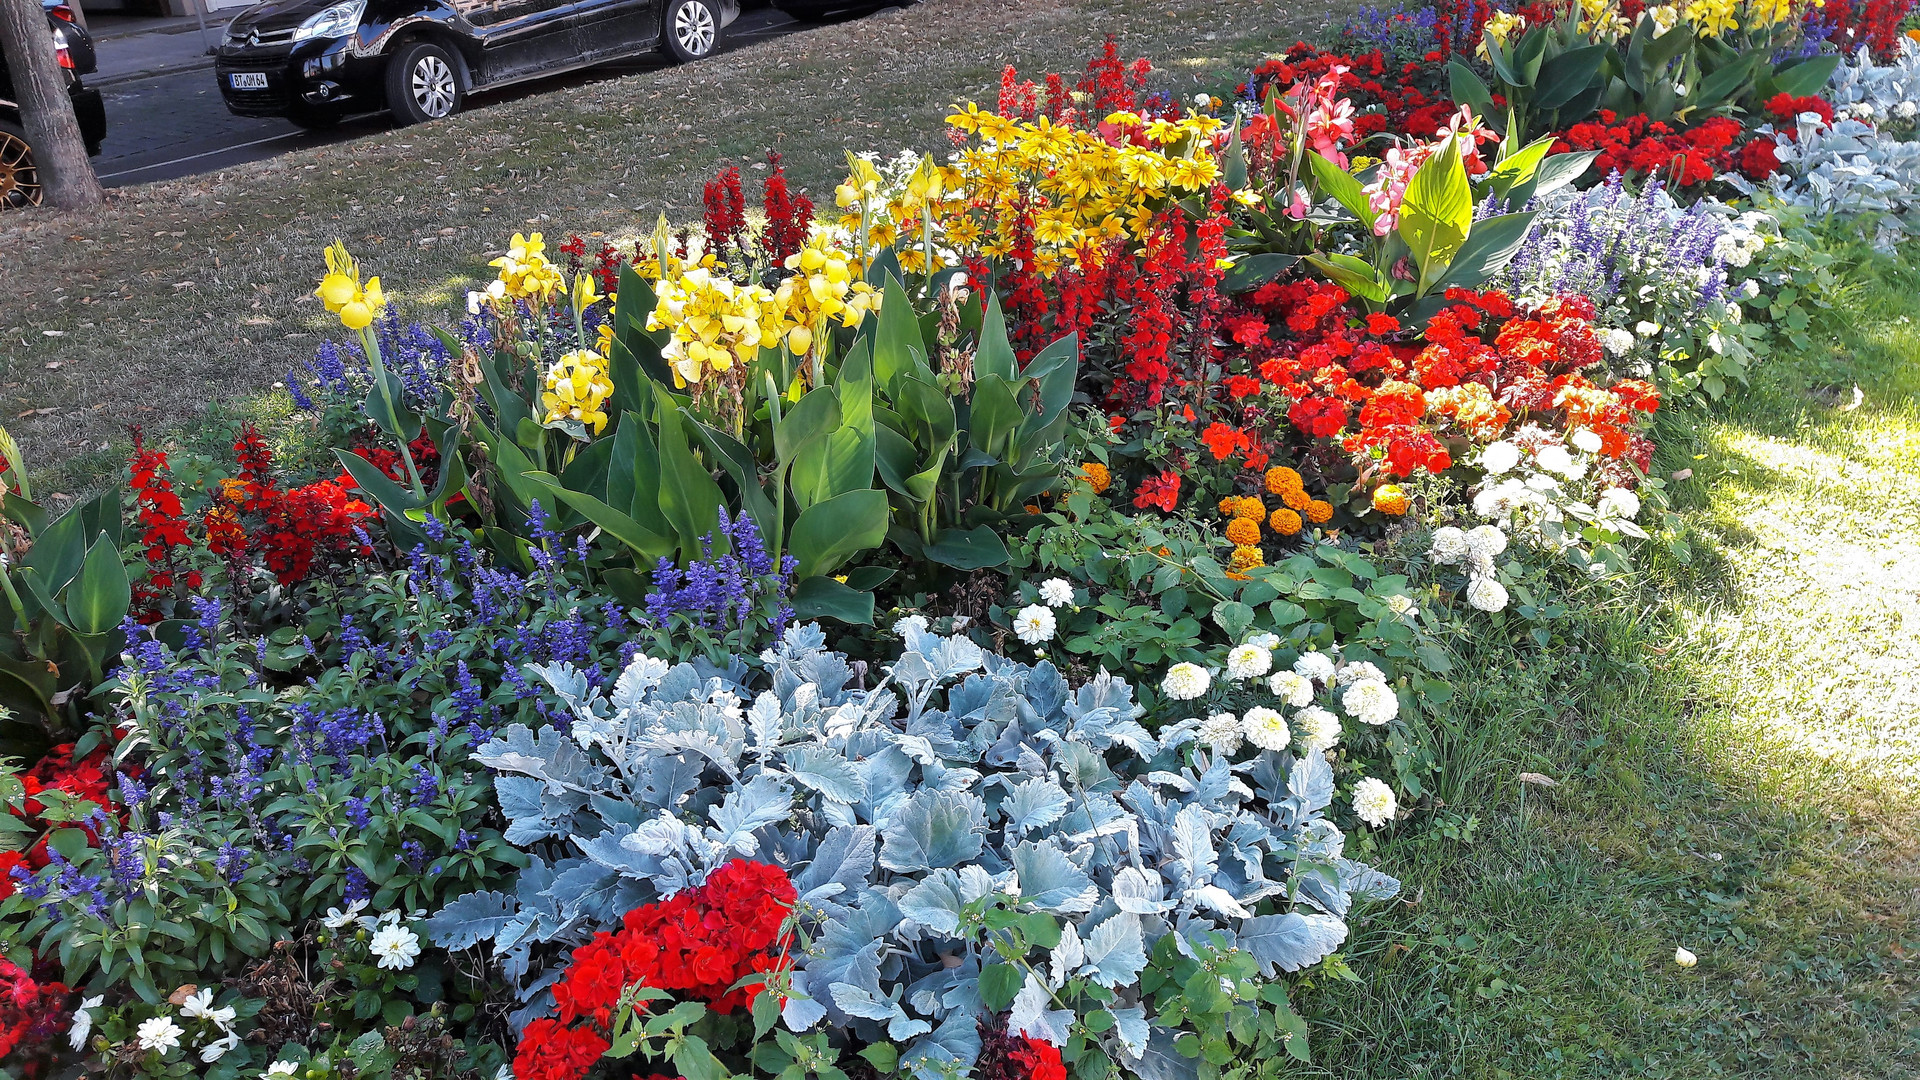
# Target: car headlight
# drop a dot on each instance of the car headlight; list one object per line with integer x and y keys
{"x": 335, "y": 22}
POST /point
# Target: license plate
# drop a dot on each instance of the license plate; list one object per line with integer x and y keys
{"x": 248, "y": 80}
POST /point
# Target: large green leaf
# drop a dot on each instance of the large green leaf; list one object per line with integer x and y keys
{"x": 927, "y": 411}
{"x": 1467, "y": 89}
{"x": 968, "y": 549}
{"x": 387, "y": 405}
{"x": 1553, "y": 174}
{"x": 1519, "y": 166}
{"x": 1566, "y": 75}
{"x": 103, "y": 514}
{"x": 29, "y": 515}
{"x": 1343, "y": 186}
{"x": 689, "y": 497}
{"x": 995, "y": 416}
{"x": 391, "y": 497}
{"x": 744, "y": 469}
{"x": 824, "y": 598}
{"x": 1437, "y": 212}
{"x": 898, "y": 347}
{"x": 1056, "y": 369}
{"x": 995, "y": 355}
{"x": 1488, "y": 250}
{"x": 101, "y": 594}
{"x": 843, "y": 461}
{"x": 1353, "y": 274}
{"x": 811, "y": 419}
{"x": 829, "y": 533}
{"x": 57, "y": 552}
{"x": 896, "y": 457}
{"x": 633, "y": 474}
{"x": 647, "y": 544}
{"x": 1803, "y": 78}
{"x": 1249, "y": 272}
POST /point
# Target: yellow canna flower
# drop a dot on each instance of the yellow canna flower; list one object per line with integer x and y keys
{"x": 341, "y": 292}
{"x": 577, "y": 388}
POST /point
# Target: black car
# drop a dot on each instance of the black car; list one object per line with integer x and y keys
{"x": 316, "y": 61}
{"x": 19, "y": 179}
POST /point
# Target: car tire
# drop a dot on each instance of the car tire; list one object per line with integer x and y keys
{"x": 423, "y": 83}
{"x": 692, "y": 31}
{"x": 19, "y": 179}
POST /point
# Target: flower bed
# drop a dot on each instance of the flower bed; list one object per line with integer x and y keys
{"x": 987, "y": 625}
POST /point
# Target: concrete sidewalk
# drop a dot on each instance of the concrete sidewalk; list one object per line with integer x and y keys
{"x": 141, "y": 48}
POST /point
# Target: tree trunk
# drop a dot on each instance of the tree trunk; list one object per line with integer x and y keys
{"x": 59, "y": 152}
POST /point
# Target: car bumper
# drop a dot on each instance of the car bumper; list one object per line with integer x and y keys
{"x": 311, "y": 77}
{"x": 91, "y": 112}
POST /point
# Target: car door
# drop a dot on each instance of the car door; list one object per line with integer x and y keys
{"x": 521, "y": 37}
{"x": 604, "y": 29}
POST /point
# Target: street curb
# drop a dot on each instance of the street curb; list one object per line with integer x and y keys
{"x": 152, "y": 73}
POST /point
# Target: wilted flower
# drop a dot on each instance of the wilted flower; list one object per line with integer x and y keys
{"x": 1373, "y": 802}
{"x": 1056, "y": 592}
{"x": 218, "y": 1048}
{"x": 1684, "y": 957}
{"x": 83, "y": 1021}
{"x": 1185, "y": 681}
{"x": 336, "y": 919}
{"x": 1292, "y": 688}
{"x": 1034, "y": 624}
{"x": 1371, "y": 701}
{"x": 1248, "y": 662}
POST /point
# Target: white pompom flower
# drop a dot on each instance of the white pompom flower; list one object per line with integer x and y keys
{"x": 1618, "y": 503}
{"x": 1266, "y": 728}
{"x": 1248, "y": 661}
{"x": 1221, "y": 732}
{"x": 1373, "y": 802}
{"x": 1555, "y": 459}
{"x": 1488, "y": 540}
{"x": 1034, "y": 625}
{"x": 1358, "y": 671}
{"x": 1371, "y": 701}
{"x": 1487, "y": 594}
{"x": 1319, "y": 729}
{"x": 1292, "y": 688}
{"x": 1317, "y": 666}
{"x": 395, "y": 946}
{"x": 1586, "y": 440}
{"x": 1056, "y": 592}
{"x": 1185, "y": 681}
{"x": 1499, "y": 457}
{"x": 1449, "y": 545}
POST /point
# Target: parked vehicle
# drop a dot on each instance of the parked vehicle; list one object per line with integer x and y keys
{"x": 19, "y": 178}
{"x": 317, "y": 61}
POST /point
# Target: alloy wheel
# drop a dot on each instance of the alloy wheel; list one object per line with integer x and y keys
{"x": 433, "y": 86}
{"x": 19, "y": 180}
{"x": 693, "y": 28}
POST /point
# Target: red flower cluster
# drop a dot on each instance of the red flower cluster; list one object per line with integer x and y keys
{"x": 1875, "y": 24}
{"x": 1786, "y": 109}
{"x": 725, "y": 213}
{"x": 87, "y": 780}
{"x": 698, "y": 944}
{"x": 1341, "y": 376}
{"x": 163, "y": 526}
{"x": 1162, "y": 491}
{"x": 291, "y": 526}
{"x": 788, "y": 215}
{"x": 1039, "y": 1060}
{"x": 31, "y": 1012}
{"x": 1635, "y": 146}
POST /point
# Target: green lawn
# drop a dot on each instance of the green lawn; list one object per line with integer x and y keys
{"x": 1735, "y": 749}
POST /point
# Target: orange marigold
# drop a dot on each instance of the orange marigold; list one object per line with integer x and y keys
{"x": 1390, "y": 499}
{"x": 1243, "y": 531}
{"x": 1319, "y": 511}
{"x": 1246, "y": 558}
{"x": 1229, "y": 504}
{"x": 1285, "y": 522}
{"x": 1297, "y": 499}
{"x": 1251, "y": 509}
{"x": 1097, "y": 476}
{"x": 1281, "y": 480}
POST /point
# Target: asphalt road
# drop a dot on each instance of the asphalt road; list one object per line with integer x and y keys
{"x": 175, "y": 125}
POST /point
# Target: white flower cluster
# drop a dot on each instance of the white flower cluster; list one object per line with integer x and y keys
{"x": 1475, "y": 549}
{"x": 394, "y": 946}
{"x": 1035, "y": 623}
{"x": 1545, "y": 496}
{"x": 214, "y": 1039}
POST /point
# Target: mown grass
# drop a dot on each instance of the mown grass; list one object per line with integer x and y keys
{"x": 1734, "y": 747}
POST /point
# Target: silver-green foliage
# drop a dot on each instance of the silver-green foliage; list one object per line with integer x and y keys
{"x": 961, "y": 781}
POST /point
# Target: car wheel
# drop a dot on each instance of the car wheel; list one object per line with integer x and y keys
{"x": 423, "y": 83}
{"x": 19, "y": 180}
{"x": 693, "y": 29}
